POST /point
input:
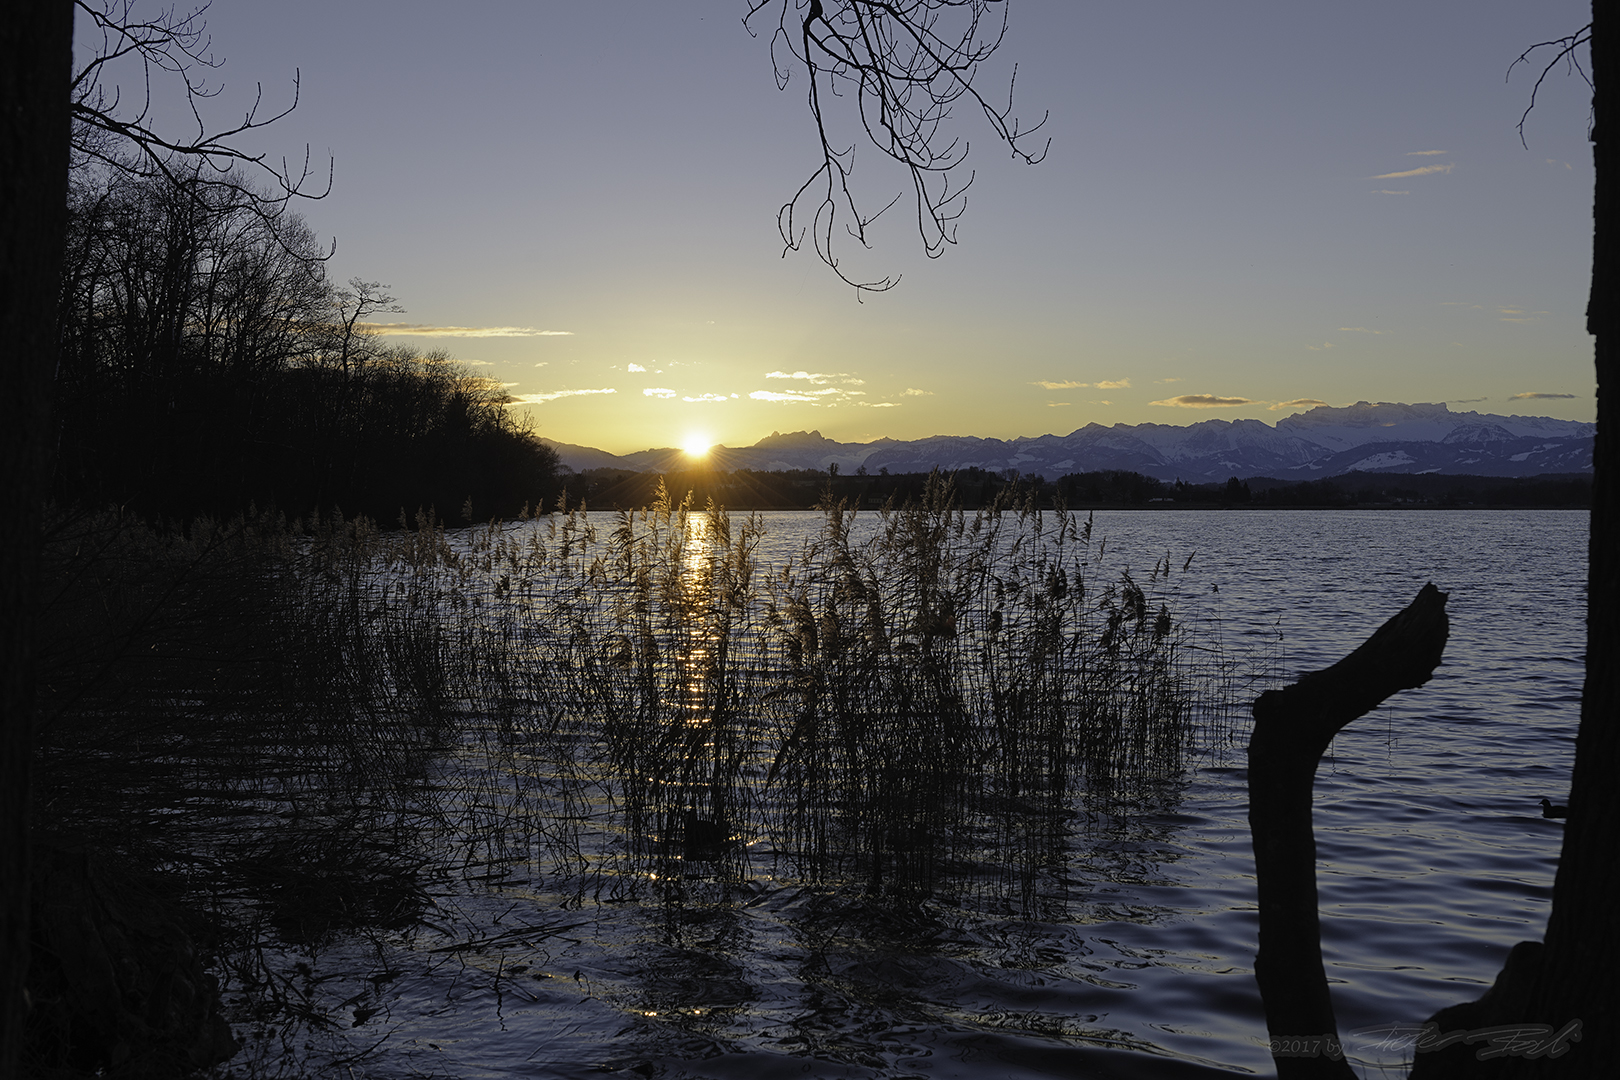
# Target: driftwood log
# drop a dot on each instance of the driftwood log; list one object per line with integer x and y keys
{"x": 1292, "y": 729}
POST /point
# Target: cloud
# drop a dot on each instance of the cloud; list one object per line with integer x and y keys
{"x": 398, "y": 329}
{"x": 1298, "y": 403}
{"x": 1518, "y": 315}
{"x": 477, "y": 363}
{"x": 818, "y": 377}
{"x": 1357, "y": 330}
{"x": 879, "y": 404}
{"x": 912, "y": 391}
{"x": 1466, "y": 400}
{"x": 1102, "y": 402}
{"x": 1174, "y": 378}
{"x": 1319, "y": 348}
{"x": 1532, "y": 396}
{"x": 1070, "y": 384}
{"x": 634, "y": 367}
{"x": 772, "y": 395}
{"x": 543, "y": 363}
{"x": 1056, "y": 404}
{"x": 830, "y": 396}
{"x": 1425, "y": 153}
{"x": 706, "y": 397}
{"x": 1204, "y": 401}
{"x": 658, "y": 392}
{"x": 1424, "y": 171}
{"x": 541, "y": 399}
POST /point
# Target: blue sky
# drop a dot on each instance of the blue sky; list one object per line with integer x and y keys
{"x": 1251, "y": 201}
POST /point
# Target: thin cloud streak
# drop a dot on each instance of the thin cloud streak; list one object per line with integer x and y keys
{"x": 818, "y": 377}
{"x": 424, "y": 330}
{"x": 541, "y": 399}
{"x": 1535, "y": 396}
{"x": 772, "y": 395}
{"x": 1426, "y": 170}
{"x": 1298, "y": 403}
{"x": 1204, "y": 401}
{"x": 1070, "y": 384}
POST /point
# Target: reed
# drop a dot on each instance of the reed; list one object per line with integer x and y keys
{"x": 309, "y": 723}
{"x": 883, "y": 708}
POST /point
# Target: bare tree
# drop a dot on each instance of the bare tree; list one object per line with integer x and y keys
{"x": 361, "y": 300}
{"x": 903, "y": 66}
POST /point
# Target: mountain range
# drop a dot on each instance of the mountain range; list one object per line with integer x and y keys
{"x": 1325, "y": 441}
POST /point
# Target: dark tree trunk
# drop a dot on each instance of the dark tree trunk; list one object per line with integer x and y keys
{"x": 1580, "y": 973}
{"x": 35, "y": 72}
{"x": 1292, "y": 727}
{"x": 1570, "y": 986}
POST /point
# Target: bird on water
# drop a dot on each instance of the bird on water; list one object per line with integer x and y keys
{"x": 1549, "y": 809}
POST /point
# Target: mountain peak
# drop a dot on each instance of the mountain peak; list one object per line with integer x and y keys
{"x": 793, "y": 438}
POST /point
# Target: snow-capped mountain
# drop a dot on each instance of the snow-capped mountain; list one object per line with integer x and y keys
{"x": 1326, "y": 441}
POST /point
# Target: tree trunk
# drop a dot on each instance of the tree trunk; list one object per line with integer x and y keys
{"x": 35, "y": 71}
{"x": 1292, "y": 728}
{"x": 1580, "y": 973}
{"x": 1569, "y": 987}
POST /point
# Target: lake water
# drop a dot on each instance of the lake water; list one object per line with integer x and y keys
{"x": 1135, "y": 960}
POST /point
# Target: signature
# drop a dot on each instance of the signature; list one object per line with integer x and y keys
{"x": 1501, "y": 1041}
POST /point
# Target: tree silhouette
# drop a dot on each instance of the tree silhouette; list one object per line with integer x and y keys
{"x": 902, "y": 66}
{"x": 1574, "y": 974}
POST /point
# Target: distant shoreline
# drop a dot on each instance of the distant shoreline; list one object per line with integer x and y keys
{"x": 974, "y": 489}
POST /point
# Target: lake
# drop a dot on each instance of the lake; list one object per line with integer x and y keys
{"x": 1133, "y": 956}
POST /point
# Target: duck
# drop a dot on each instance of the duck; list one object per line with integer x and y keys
{"x": 1552, "y": 810}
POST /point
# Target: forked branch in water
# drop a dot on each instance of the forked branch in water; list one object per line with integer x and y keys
{"x": 1292, "y": 727}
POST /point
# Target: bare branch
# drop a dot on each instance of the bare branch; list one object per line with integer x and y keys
{"x": 1566, "y": 51}
{"x": 177, "y": 46}
{"x": 907, "y": 64}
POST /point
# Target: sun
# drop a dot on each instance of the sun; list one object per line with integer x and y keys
{"x": 696, "y": 444}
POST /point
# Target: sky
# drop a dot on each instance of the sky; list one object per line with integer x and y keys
{"x": 1247, "y": 208}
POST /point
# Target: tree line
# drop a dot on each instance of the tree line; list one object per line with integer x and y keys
{"x": 803, "y": 489}
{"x": 208, "y": 363}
